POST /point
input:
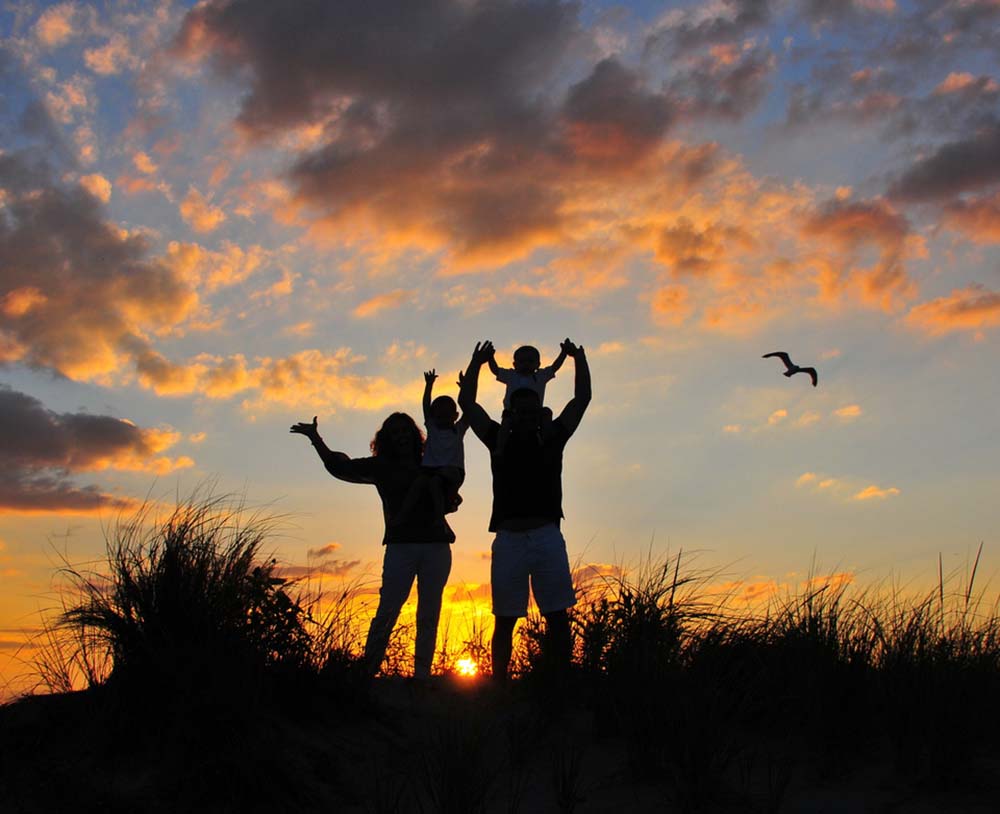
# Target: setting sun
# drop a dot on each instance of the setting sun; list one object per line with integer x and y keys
{"x": 466, "y": 667}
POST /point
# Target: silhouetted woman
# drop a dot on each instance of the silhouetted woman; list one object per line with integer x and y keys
{"x": 417, "y": 547}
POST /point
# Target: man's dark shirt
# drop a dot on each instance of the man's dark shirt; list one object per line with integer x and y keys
{"x": 527, "y": 475}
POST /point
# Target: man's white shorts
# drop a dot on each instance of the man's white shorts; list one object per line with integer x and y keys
{"x": 538, "y": 555}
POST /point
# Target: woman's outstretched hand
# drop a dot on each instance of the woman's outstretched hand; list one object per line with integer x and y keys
{"x": 310, "y": 431}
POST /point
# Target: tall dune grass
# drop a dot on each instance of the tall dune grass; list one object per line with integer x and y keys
{"x": 717, "y": 704}
{"x": 189, "y": 600}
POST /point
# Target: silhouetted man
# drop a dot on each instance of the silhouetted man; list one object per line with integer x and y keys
{"x": 526, "y": 453}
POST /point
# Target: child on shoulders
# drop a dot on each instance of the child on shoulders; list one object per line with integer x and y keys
{"x": 527, "y": 371}
{"x": 526, "y": 374}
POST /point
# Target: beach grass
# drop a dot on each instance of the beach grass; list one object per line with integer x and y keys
{"x": 187, "y": 675}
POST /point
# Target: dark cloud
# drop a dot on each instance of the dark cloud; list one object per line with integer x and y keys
{"x": 832, "y": 11}
{"x": 960, "y": 166}
{"x": 730, "y": 82}
{"x": 323, "y": 551}
{"x": 893, "y": 99}
{"x": 694, "y": 28}
{"x": 76, "y": 294}
{"x": 32, "y": 436}
{"x": 443, "y": 120}
{"x": 40, "y": 448}
{"x": 305, "y": 57}
{"x": 980, "y": 18}
{"x": 612, "y": 113}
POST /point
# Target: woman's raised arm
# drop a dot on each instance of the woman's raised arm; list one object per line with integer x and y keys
{"x": 338, "y": 464}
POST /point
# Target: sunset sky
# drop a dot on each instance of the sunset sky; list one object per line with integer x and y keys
{"x": 219, "y": 219}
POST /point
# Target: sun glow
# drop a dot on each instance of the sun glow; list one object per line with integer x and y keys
{"x": 466, "y": 667}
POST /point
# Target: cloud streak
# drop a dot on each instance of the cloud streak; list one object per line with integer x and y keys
{"x": 40, "y": 450}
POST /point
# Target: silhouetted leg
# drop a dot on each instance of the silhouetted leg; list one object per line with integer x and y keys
{"x": 398, "y": 572}
{"x": 503, "y": 645}
{"x": 558, "y": 642}
{"x": 432, "y": 575}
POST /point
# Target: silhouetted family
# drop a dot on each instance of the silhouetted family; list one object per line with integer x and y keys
{"x": 418, "y": 481}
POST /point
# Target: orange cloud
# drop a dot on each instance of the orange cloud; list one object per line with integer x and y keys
{"x": 777, "y": 417}
{"x": 20, "y": 301}
{"x": 57, "y": 25}
{"x": 977, "y": 218}
{"x": 848, "y": 411}
{"x": 111, "y": 58}
{"x": 382, "y": 302}
{"x": 404, "y": 352}
{"x": 309, "y": 379}
{"x": 323, "y": 551}
{"x": 144, "y": 163}
{"x": 83, "y": 296}
{"x": 874, "y": 492}
{"x": 228, "y": 266}
{"x": 69, "y": 98}
{"x": 133, "y": 185}
{"x": 851, "y": 228}
{"x": 671, "y": 305}
{"x": 835, "y": 580}
{"x": 198, "y": 212}
{"x": 975, "y": 308}
{"x": 301, "y": 329}
{"x": 807, "y": 419}
{"x": 687, "y": 249}
{"x": 98, "y": 186}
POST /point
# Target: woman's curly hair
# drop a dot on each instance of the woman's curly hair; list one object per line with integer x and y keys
{"x": 380, "y": 443}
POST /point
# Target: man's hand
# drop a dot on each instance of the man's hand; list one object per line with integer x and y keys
{"x": 461, "y": 376}
{"x": 569, "y": 348}
{"x": 310, "y": 431}
{"x": 430, "y": 376}
{"x": 483, "y": 352}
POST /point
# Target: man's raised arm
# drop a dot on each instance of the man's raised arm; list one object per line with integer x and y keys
{"x": 577, "y": 406}
{"x": 468, "y": 386}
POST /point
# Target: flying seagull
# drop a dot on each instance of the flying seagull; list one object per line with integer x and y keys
{"x": 792, "y": 367}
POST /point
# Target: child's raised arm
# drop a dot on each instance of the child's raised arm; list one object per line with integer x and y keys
{"x": 429, "y": 377}
{"x": 492, "y": 362}
{"x": 563, "y": 353}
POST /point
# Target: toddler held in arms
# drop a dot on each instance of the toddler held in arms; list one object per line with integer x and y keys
{"x": 443, "y": 463}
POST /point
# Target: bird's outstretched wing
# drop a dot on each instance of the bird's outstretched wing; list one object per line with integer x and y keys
{"x": 782, "y": 356}
{"x": 812, "y": 373}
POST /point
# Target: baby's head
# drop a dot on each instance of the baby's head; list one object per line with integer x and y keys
{"x": 527, "y": 360}
{"x": 444, "y": 412}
